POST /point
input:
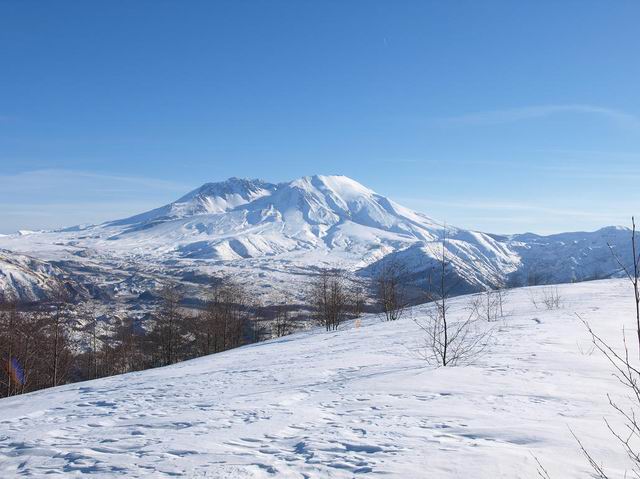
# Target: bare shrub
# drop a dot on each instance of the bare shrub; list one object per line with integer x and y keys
{"x": 548, "y": 298}
{"x": 486, "y": 306}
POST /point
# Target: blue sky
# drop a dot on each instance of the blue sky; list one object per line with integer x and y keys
{"x": 496, "y": 115}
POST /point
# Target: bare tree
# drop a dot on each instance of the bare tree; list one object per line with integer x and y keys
{"x": 59, "y": 322}
{"x": 207, "y": 327}
{"x": 9, "y": 322}
{"x": 93, "y": 346}
{"x": 390, "y": 290}
{"x": 258, "y": 327}
{"x": 451, "y": 342}
{"x": 330, "y": 298}
{"x": 167, "y": 331}
{"x": 502, "y": 293}
{"x": 282, "y": 323}
{"x": 358, "y": 297}
{"x": 223, "y": 322}
{"x": 448, "y": 342}
{"x": 125, "y": 350}
{"x": 53, "y": 343}
{"x": 632, "y": 272}
{"x": 629, "y": 436}
{"x": 36, "y": 343}
{"x": 627, "y": 373}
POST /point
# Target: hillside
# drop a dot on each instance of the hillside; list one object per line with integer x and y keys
{"x": 355, "y": 402}
{"x": 25, "y": 277}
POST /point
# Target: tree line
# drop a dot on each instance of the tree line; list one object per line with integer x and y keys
{"x": 58, "y": 341}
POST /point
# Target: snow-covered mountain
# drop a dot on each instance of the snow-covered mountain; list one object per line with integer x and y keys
{"x": 249, "y": 219}
{"x": 269, "y": 235}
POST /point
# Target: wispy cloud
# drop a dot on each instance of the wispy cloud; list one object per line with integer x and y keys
{"x": 507, "y": 206}
{"x": 56, "y": 178}
{"x": 516, "y": 217}
{"x": 56, "y": 198}
{"x": 512, "y": 115}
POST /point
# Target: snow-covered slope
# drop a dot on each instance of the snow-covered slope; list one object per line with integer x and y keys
{"x": 242, "y": 218}
{"x": 566, "y": 257}
{"x": 269, "y": 235}
{"x": 354, "y": 402}
{"x": 26, "y": 278}
{"x": 209, "y": 198}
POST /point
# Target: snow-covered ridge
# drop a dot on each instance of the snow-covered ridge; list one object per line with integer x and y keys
{"x": 270, "y": 234}
{"x": 210, "y": 198}
{"x": 354, "y": 402}
{"x": 26, "y": 278}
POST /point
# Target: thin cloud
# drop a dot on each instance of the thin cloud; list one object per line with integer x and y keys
{"x": 513, "y": 115}
{"x": 56, "y": 178}
{"x": 509, "y": 217}
{"x": 593, "y": 154}
{"x": 54, "y": 198}
{"x": 630, "y": 174}
{"x": 506, "y": 206}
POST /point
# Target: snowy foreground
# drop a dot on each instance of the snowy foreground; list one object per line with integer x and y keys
{"x": 357, "y": 402}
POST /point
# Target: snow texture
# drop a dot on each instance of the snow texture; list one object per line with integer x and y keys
{"x": 351, "y": 403}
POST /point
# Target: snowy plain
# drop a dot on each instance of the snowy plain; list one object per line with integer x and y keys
{"x": 358, "y": 402}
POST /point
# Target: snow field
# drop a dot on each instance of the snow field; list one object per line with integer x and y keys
{"x": 356, "y": 402}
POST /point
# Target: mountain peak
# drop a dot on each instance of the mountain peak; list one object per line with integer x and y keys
{"x": 326, "y": 200}
{"x": 340, "y": 184}
{"x": 242, "y": 187}
{"x": 213, "y": 197}
{"x": 221, "y": 196}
